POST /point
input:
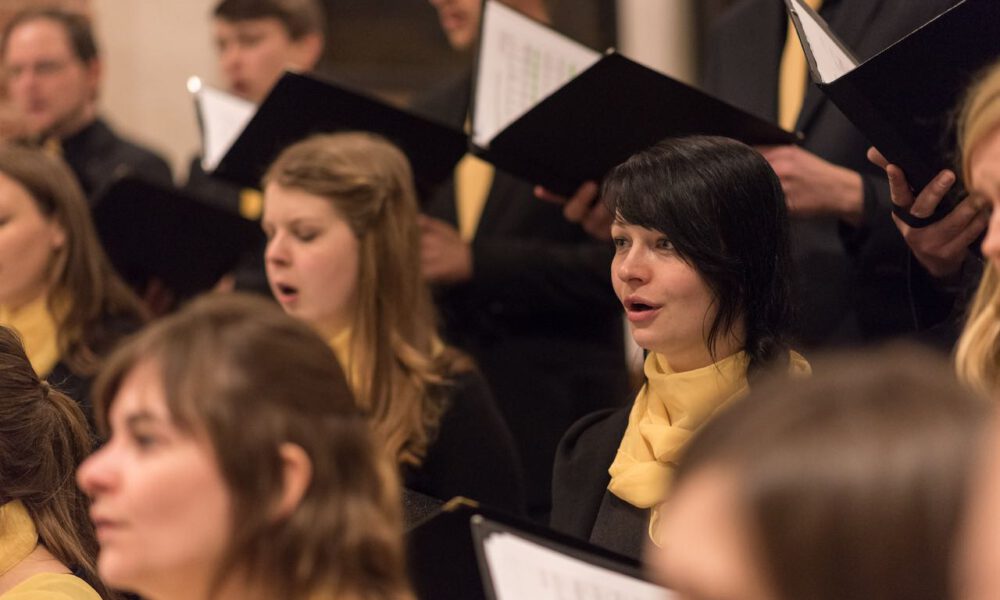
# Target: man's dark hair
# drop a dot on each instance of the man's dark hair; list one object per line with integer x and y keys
{"x": 298, "y": 17}
{"x": 76, "y": 26}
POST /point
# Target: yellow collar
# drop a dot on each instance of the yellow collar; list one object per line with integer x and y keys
{"x": 18, "y": 537}
{"x": 39, "y": 332}
{"x": 340, "y": 343}
{"x": 667, "y": 412}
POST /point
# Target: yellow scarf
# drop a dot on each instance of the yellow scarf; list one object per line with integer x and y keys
{"x": 18, "y": 537}
{"x": 668, "y": 411}
{"x": 38, "y": 329}
{"x": 341, "y": 346}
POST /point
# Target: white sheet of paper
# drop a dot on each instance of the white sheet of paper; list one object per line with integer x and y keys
{"x": 521, "y": 62}
{"x": 522, "y": 569}
{"x": 223, "y": 118}
{"x": 831, "y": 61}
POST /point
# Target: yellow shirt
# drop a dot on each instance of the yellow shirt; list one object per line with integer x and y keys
{"x": 52, "y": 586}
{"x": 37, "y": 327}
{"x": 18, "y": 539}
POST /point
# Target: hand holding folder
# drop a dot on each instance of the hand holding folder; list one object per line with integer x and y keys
{"x": 554, "y": 112}
{"x": 903, "y": 98}
{"x": 943, "y": 246}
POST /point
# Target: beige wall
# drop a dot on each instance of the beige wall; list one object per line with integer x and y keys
{"x": 150, "y": 48}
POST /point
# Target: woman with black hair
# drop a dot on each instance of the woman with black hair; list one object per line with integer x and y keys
{"x": 702, "y": 268}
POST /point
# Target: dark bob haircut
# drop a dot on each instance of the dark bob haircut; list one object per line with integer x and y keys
{"x": 721, "y": 206}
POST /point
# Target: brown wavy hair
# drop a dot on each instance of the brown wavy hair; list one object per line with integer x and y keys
{"x": 398, "y": 366}
{"x": 81, "y": 275}
{"x": 43, "y": 438}
{"x": 251, "y": 378}
{"x": 854, "y": 481}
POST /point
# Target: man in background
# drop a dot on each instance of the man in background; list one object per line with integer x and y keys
{"x": 257, "y": 41}
{"x": 526, "y": 293}
{"x": 52, "y": 76}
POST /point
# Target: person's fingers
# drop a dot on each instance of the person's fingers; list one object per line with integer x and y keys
{"x": 581, "y": 203}
{"x": 967, "y": 236}
{"x": 959, "y": 218}
{"x": 876, "y": 158}
{"x": 543, "y": 193}
{"x": 899, "y": 188}
{"x": 929, "y": 197}
{"x": 598, "y": 222}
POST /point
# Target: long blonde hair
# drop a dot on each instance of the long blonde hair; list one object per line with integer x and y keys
{"x": 977, "y": 358}
{"x": 398, "y": 366}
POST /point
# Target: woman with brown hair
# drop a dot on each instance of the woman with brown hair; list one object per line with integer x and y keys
{"x": 849, "y": 485}
{"x": 47, "y": 546}
{"x": 343, "y": 254}
{"x": 57, "y": 288}
{"x": 238, "y": 465}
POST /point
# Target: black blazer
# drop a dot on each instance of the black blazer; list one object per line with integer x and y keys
{"x": 473, "y": 454}
{"x": 99, "y": 157}
{"x": 582, "y": 506}
{"x": 539, "y": 316}
{"x": 852, "y": 281}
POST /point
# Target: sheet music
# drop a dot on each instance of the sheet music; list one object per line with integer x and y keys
{"x": 521, "y": 62}
{"x": 831, "y": 60}
{"x": 223, "y": 117}
{"x": 522, "y": 569}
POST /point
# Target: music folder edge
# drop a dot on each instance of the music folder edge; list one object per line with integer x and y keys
{"x": 149, "y": 230}
{"x": 300, "y": 105}
{"x": 446, "y": 565}
{"x": 596, "y": 118}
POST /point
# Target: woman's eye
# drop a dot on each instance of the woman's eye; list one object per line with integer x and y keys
{"x": 145, "y": 441}
{"x": 664, "y": 244}
{"x": 619, "y": 242}
{"x": 306, "y": 236}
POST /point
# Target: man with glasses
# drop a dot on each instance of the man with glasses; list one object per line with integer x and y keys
{"x": 52, "y": 74}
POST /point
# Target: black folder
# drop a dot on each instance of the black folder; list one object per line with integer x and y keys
{"x": 904, "y": 98}
{"x": 608, "y": 112}
{"x": 153, "y": 231}
{"x": 444, "y": 562}
{"x": 300, "y": 105}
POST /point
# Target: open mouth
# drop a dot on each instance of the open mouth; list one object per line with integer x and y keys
{"x": 638, "y": 306}
{"x": 285, "y": 292}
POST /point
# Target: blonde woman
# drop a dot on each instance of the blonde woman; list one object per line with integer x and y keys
{"x": 343, "y": 255}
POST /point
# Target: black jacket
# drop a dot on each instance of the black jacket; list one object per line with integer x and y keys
{"x": 582, "y": 506}
{"x": 98, "y": 157}
{"x": 473, "y": 454}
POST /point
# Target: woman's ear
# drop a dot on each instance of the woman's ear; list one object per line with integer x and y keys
{"x": 297, "y": 470}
